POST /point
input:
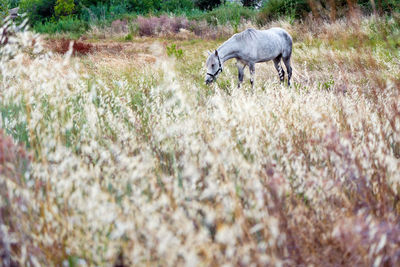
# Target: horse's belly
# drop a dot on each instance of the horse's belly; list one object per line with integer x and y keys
{"x": 265, "y": 59}
{"x": 261, "y": 55}
{"x": 268, "y": 51}
{"x": 263, "y": 52}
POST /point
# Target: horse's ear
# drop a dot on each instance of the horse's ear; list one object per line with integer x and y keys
{"x": 216, "y": 53}
{"x": 209, "y": 52}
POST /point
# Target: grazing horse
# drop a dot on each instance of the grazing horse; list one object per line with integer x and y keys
{"x": 249, "y": 47}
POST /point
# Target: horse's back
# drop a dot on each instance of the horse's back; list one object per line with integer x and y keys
{"x": 275, "y": 36}
{"x": 279, "y": 33}
{"x": 282, "y": 37}
{"x": 262, "y": 45}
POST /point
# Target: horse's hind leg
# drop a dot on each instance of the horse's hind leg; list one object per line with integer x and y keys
{"x": 288, "y": 68}
{"x": 278, "y": 67}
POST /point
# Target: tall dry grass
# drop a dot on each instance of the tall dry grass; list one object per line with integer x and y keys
{"x": 154, "y": 168}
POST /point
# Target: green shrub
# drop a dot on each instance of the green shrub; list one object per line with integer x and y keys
{"x": 4, "y": 5}
{"x": 105, "y": 11}
{"x": 250, "y": 3}
{"x": 13, "y": 3}
{"x": 119, "y": 9}
{"x": 174, "y": 51}
{"x": 388, "y": 6}
{"x": 38, "y": 10}
{"x": 102, "y": 12}
{"x": 207, "y": 4}
{"x": 230, "y": 13}
{"x": 156, "y": 6}
{"x": 128, "y": 37}
{"x": 64, "y": 8}
{"x": 177, "y": 5}
{"x": 144, "y": 6}
{"x": 274, "y": 9}
{"x": 67, "y": 24}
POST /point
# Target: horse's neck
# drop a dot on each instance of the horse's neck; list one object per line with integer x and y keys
{"x": 227, "y": 50}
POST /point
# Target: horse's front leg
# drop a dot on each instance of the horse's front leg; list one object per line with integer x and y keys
{"x": 252, "y": 68}
{"x": 240, "y": 67}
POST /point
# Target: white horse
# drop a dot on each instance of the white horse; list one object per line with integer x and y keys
{"x": 249, "y": 47}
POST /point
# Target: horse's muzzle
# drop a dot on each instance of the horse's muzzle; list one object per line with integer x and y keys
{"x": 209, "y": 80}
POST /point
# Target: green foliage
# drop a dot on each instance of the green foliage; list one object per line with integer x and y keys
{"x": 101, "y": 12}
{"x": 96, "y": 2}
{"x": 38, "y": 10}
{"x": 13, "y": 3}
{"x": 174, "y": 51}
{"x": 106, "y": 11}
{"x": 67, "y": 24}
{"x": 155, "y": 6}
{"x": 231, "y": 13}
{"x": 128, "y": 37}
{"x": 250, "y": 3}
{"x": 176, "y": 5}
{"x": 327, "y": 85}
{"x": 145, "y": 6}
{"x": 4, "y": 5}
{"x": 298, "y": 9}
{"x": 273, "y": 9}
{"x": 64, "y": 8}
{"x": 42, "y": 13}
{"x": 387, "y": 6}
{"x": 207, "y": 4}
{"x": 19, "y": 131}
{"x": 386, "y": 32}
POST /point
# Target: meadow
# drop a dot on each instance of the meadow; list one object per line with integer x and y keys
{"x": 124, "y": 157}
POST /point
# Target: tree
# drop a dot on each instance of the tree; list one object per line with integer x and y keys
{"x": 64, "y": 8}
{"x": 251, "y": 3}
{"x": 207, "y": 4}
{"x": 38, "y": 10}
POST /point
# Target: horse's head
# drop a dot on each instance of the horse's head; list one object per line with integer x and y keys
{"x": 214, "y": 67}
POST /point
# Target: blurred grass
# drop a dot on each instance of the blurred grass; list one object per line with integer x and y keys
{"x": 134, "y": 154}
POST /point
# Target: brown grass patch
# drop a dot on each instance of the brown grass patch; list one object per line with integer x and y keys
{"x": 63, "y": 45}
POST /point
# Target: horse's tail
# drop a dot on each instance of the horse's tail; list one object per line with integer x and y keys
{"x": 289, "y": 45}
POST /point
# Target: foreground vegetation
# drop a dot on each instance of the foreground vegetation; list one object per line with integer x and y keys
{"x": 125, "y": 156}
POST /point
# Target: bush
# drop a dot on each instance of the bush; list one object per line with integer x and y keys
{"x": 64, "y": 8}
{"x": 273, "y": 9}
{"x": 13, "y": 3}
{"x": 155, "y": 6}
{"x": 38, "y": 10}
{"x": 144, "y": 6}
{"x": 177, "y": 6}
{"x": 251, "y": 3}
{"x": 227, "y": 14}
{"x": 207, "y": 4}
{"x": 102, "y": 12}
{"x": 388, "y": 6}
{"x": 298, "y": 9}
{"x": 164, "y": 25}
{"x": 4, "y": 5}
{"x": 68, "y": 24}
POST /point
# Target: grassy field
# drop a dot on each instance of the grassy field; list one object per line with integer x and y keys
{"x": 124, "y": 155}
